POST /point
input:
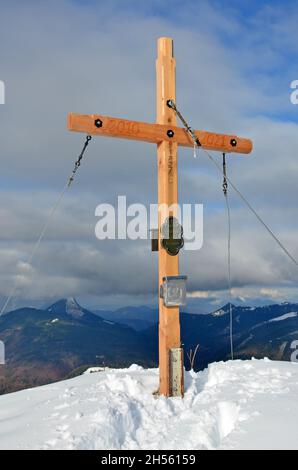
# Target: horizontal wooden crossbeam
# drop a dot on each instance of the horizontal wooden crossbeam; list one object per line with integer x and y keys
{"x": 96, "y": 124}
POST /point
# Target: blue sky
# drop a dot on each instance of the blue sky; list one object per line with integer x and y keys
{"x": 235, "y": 63}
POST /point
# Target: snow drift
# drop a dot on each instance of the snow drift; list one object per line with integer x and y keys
{"x": 233, "y": 405}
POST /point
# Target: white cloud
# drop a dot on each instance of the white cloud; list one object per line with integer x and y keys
{"x": 63, "y": 56}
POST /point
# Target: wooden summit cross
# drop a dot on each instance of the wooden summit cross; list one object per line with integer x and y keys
{"x": 167, "y": 136}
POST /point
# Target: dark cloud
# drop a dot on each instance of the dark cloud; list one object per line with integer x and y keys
{"x": 66, "y": 56}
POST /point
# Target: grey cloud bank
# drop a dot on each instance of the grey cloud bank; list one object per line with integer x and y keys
{"x": 66, "y": 56}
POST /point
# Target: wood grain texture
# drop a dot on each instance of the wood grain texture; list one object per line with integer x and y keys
{"x": 169, "y": 323}
{"x": 168, "y": 137}
{"x": 155, "y": 133}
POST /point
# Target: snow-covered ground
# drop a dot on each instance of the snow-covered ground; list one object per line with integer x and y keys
{"x": 284, "y": 317}
{"x": 233, "y": 405}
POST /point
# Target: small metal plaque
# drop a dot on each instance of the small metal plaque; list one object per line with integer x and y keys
{"x": 172, "y": 236}
{"x": 173, "y": 291}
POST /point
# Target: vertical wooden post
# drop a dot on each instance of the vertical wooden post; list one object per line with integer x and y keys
{"x": 169, "y": 324}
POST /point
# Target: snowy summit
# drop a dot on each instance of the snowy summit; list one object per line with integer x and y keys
{"x": 232, "y": 405}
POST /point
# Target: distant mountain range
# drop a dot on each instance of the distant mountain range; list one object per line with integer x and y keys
{"x": 45, "y": 345}
{"x": 138, "y": 318}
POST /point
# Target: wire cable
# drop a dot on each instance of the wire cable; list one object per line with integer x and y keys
{"x": 226, "y": 180}
{"x": 47, "y": 223}
{"x": 172, "y": 105}
{"x": 254, "y": 212}
{"x": 225, "y": 191}
{"x": 36, "y": 245}
{"x": 229, "y": 276}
